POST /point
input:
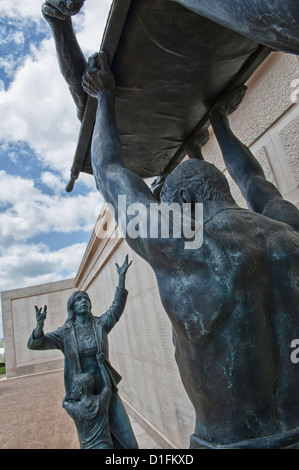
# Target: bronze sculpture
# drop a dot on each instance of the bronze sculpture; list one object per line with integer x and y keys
{"x": 233, "y": 303}
{"x": 83, "y": 339}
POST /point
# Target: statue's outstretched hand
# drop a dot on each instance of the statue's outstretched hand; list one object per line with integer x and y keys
{"x": 123, "y": 269}
{"x": 40, "y": 315}
{"x": 54, "y": 10}
{"x": 98, "y": 76}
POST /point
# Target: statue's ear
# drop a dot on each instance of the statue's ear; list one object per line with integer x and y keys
{"x": 186, "y": 195}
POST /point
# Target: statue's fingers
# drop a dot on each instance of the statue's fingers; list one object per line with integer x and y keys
{"x": 77, "y": 6}
{"x": 93, "y": 61}
{"x": 38, "y": 311}
{"x": 88, "y": 88}
{"x": 103, "y": 59}
{"x": 51, "y": 11}
{"x": 62, "y": 7}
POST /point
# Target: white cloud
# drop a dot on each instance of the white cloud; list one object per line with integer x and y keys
{"x": 37, "y": 109}
{"x": 96, "y": 11}
{"x": 91, "y": 25}
{"x": 2, "y": 92}
{"x": 28, "y": 212}
{"x": 21, "y": 9}
{"x": 15, "y": 37}
{"x": 25, "y": 265}
{"x": 18, "y": 37}
{"x": 53, "y": 181}
{"x": 9, "y": 64}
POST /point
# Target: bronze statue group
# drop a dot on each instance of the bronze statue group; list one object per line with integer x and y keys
{"x": 233, "y": 303}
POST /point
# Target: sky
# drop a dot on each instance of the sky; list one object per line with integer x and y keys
{"x": 44, "y": 230}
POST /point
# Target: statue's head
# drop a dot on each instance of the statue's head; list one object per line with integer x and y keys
{"x": 82, "y": 383}
{"x": 79, "y": 302}
{"x": 195, "y": 181}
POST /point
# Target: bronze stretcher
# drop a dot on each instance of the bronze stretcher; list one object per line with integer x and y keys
{"x": 170, "y": 66}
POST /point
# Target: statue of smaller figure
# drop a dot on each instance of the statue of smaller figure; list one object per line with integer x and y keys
{"x": 83, "y": 339}
{"x": 89, "y": 411}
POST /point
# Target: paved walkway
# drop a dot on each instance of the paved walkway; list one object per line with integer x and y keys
{"x": 32, "y": 416}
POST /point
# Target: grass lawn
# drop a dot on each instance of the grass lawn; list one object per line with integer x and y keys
{"x": 2, "y": 369}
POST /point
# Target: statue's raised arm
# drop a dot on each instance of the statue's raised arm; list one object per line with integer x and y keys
{"x": 71, "y": 60}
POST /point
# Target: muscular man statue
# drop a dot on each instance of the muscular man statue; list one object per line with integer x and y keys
{"x": 233, "y": 303}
